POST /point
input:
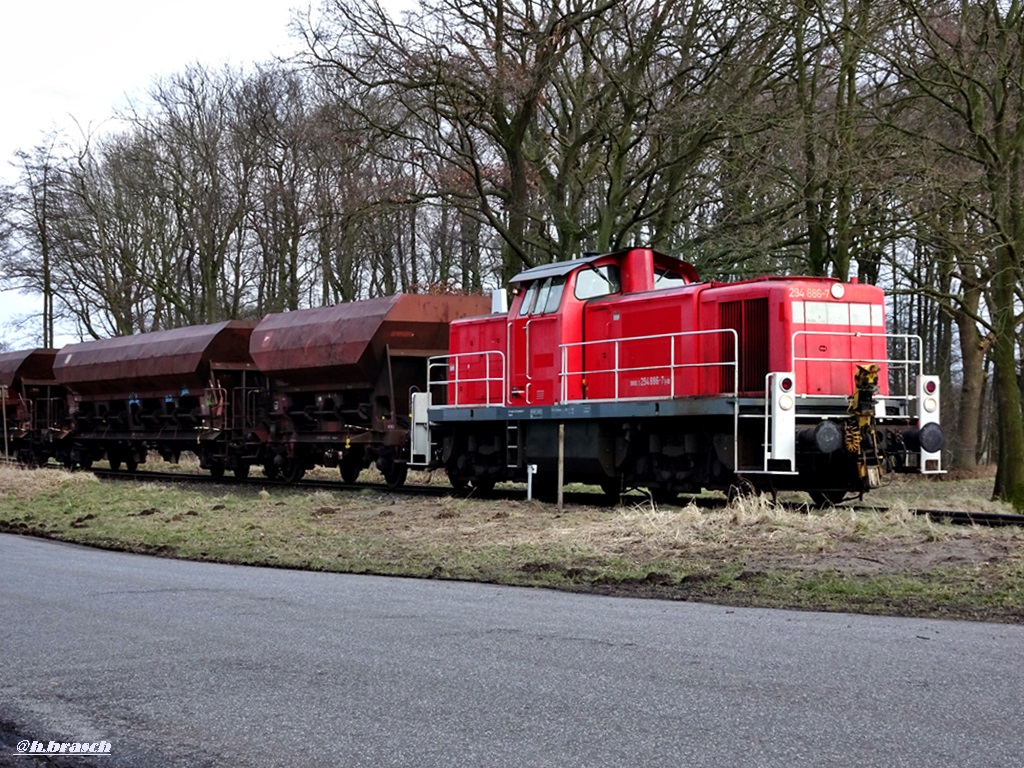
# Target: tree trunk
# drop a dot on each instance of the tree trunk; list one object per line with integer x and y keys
{"x": 972, "y": 352}
{"x": 1010, "y": 477}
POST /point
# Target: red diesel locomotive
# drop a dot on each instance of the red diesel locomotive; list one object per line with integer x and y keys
{"x": 624, "y": 371}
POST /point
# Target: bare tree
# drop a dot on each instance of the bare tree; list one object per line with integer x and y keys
{"x": 205, "y": 171}
{"x": 468, "y": 80}
{"x": 28, "y": 237}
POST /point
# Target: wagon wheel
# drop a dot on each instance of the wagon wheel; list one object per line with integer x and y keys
{"x": 115, "y": 464}
{"x": 396, "y": 474}
{"x": 86, "y": 463}
{"x": 293, "y": 471}
{"x": 349, "y": 469}
{"x": 612, "y": 488}
{"x": 131, "y": 464}
{"x": 217, "y": 470}
{"x": 271, "y": 471}
{"x": 827, "y": 498}
{"x": 241, "y": 470}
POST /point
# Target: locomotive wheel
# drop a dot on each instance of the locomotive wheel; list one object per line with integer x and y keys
{"x": 663, "y": 495}
{"x": 545, "y": 487}
{"x": 483, "y": 484}
{"x": 457, "y": 482}
{"x": 396, "y": 474}
{"x": 827, "y": 498}
{"x": 741, "y": 489}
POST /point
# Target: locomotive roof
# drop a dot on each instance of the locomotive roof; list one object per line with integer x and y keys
{"x": 27, "y": 364}
{"x": 554, "y": 268}
{"x": 565, "y": 267}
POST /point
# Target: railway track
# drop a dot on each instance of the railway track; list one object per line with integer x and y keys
{"x": 952, "y": 517}
{"x": 971, "y": 518}
{"x": 263, "y": 482}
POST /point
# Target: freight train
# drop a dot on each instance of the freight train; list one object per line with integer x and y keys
{"x": 621, "y": 370}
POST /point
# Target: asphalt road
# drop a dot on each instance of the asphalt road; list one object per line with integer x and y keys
{"x": 191, "y": 664}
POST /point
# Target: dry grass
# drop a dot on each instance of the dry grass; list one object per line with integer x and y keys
{"x": 958, "y": 494}
{"x": 24, "y": 484}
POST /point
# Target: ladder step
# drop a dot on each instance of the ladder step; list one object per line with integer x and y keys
{"x": 512, "y": 445}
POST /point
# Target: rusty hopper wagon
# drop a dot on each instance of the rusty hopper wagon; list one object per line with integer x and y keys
{"x": 340, "y": 379}
{"x": 171, "y": 391}
{"x": 32, "y": 404}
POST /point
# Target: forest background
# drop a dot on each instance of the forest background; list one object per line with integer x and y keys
{"x": 451, "y": 146}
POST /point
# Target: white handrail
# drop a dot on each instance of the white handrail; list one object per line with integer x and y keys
{"x": 905, "y": 364}
{"x": 450, "y": 364}
{"x": 671, "y": 366}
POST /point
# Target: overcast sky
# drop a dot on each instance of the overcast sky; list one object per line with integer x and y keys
{"x": 63, "y": 61}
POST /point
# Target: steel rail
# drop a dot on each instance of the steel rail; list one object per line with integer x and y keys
{"x": 952, "y": 517}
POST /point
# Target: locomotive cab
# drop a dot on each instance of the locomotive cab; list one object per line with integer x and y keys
{"x": 537, "y": 354}
{"x": 547, "y": 317}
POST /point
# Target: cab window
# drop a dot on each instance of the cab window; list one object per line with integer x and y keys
{"x": 597, "y": 281}
{"x": 543, "y": 296}
{"x": 554, "y": 297}
{"x": 531, "y": 296}
{"x": 666, "y": 278}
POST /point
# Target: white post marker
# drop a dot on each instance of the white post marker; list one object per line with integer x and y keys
{"x": 531, "y": 470}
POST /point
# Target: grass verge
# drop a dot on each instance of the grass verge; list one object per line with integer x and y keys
{"x": 751, "y": 553}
